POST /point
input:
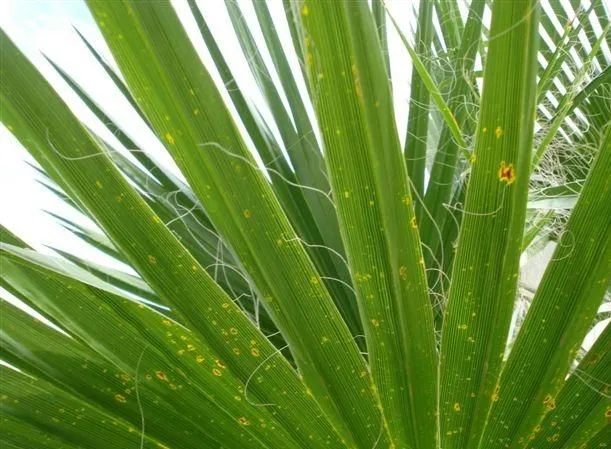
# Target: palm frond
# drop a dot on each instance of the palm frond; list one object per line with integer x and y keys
{"x": 305, "y": 280}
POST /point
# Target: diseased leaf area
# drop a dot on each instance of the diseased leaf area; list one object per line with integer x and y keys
{"x": 328, "y": 264}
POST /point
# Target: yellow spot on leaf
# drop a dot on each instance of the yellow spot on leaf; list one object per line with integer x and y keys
{"x": 413, "y": 223}
{"x": 255, "y": 352}
{"x": 403, "y": 272}
{"x": 308, "y": 59}
{"x": 357, "y": 82}
{"x": 305, "y": 10}
{"x": 217, "y": 372}
{"x": 456, "y": 407}
{"x": 243, "y": 421}
{"x": 196, "y": 111}
{"x": 247, "y": 213}
{"x": 495, "y": 394}
{"x": 314, "y": 280}
{"x": 362, "y": 277}
{"x": 170, "y": 138}
{"x": 120, "y": 398}
{"x": 375, "y": 323}
{"x": 498, "y": 132}
{"x": 161, "y": 376}
{"x": 200, "y": 359}
{"x": 152, "y": 259}
{"x": 549, "y": 402}
{"x": 99, "y": 184}
{"x": 221, "y": 364}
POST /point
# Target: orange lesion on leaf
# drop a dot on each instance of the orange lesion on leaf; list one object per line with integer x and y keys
{"x": 495, "y": 393}
{"x": 549, "y": 402}
{"x": 357, "y": 82}
{"x": 507, "y": 173}
{"x": 243, "y": 421}
{"x": 309, "y": 59}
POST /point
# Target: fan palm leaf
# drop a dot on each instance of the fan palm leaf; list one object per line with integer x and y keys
{"x": 307, "y": 280}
